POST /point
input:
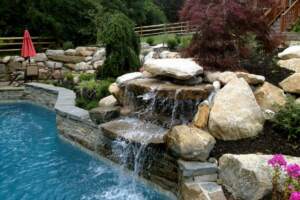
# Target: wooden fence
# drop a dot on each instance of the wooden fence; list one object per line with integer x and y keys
{"x": 171, "y": 28}
{"x": 14, "y": 44}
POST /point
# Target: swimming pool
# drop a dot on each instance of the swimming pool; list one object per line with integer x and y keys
{"x": 35, "y": 164}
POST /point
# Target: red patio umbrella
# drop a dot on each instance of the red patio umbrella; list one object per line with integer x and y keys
{"x": 28, "y": 49}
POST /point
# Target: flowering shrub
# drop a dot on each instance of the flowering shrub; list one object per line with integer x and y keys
{"x": 291, "y": 172}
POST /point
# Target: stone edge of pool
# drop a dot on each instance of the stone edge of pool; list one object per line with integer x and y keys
{"x": 75, "y": 125}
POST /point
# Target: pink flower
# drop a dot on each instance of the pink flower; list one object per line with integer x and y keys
{"x": 295, "y": 196}
{"x": 293, "y": 170}
{"x": 277, "y": 161}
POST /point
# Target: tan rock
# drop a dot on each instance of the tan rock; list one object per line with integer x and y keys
{"x": 109, "y": 101}
{"x": 270, "y": 97}
{"x": 202, "y": 191}
{"x": 201, "y": 117}
{"x": 84, "y": 51}
{"x": 235, "y": 114}
{"x": 66, "y": 59}
{"x": 222, "y": 77}
{"x": 44, "y": 74}
{"x": 182, "y": 69}
{"x": 291, "y": 64}
{"x": 117, "y": 92}
{"x": 290, "y": 52}
{"x": 291, "y": 84}
{"x": 189, "y": 143}
{"x": 57, "y": 74}
{"x": 251, "y": 79}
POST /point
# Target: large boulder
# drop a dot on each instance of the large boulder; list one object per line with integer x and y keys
{"x": 128, "y": 77}
{"x": 235, "y": 113}
{"x": 182, "y": 69}
{"x": 270, "y": 97}
{"x": 290, "y": 52}
{"x": 248, "y": 177}
{"x": 291, "y": 84}
{"x": 291, "y": 64}
{"x": 83, "y": 66}
{"x": 189, "y": 143}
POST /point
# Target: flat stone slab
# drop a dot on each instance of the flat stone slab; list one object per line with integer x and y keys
{"x": 203, "y": 191}
{"x": 193, "y": 168}
{"x": 169, "y": 90}
{"x": 134, "y": 130}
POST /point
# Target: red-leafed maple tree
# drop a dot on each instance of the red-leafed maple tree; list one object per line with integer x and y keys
{"x": 223, "y": 31}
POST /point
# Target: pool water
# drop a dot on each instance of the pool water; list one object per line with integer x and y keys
{"x": 35, "y": 164}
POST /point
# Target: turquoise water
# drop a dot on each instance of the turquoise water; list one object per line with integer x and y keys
{"x": 37, "y": 165}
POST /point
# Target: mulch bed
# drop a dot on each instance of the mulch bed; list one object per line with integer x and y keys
{"x": 268, "y": 142}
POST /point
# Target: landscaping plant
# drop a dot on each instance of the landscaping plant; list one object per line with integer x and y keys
{"x": 287, "y": 120}
{"x": 116, "y": 32}
{"x": 291, "y": 175}
{"x": 223, "y": 29}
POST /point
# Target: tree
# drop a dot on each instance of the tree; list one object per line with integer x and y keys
{"x": 171, "y": 8}
{"x": 64, "y": 20}
{"x": 226, "y": 29}
{"x": 116, "y": 32}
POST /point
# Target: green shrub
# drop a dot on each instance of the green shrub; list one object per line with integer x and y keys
{"x": 150, "y": 41}
{"x": 68, "y": 81}
{"x": 287, "y": 120}
{"x": 89, "y": 92}
{"x": 86, "y": 77}
{"x": 185, "y": 42}
{"x": 178, "y": 39}
{"x": 116, "y": 32}
{"x": 68, "y": 45}
{"x": 172, "y": 44}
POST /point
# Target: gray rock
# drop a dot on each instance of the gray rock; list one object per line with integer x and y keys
{"x": 99, "y": 55}
{"x": 54, "y": 65}
{"x": 40, "y": 57}
{"x": 54, "y": 52}
{"x": 129, "y": 77}
{"x": 104, "y": 114}
{"x": 98, "y": 64}
{"x": 248, "y": 177}
{"x": 6, "y": 59}
{"x": 194, "y": 168}
{"x": 3, "y": 69}
{"x": 66, "y": 59}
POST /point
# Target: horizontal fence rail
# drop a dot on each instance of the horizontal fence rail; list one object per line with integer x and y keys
{"x": 290, "y": 16}
{"x": 14, "y": 44}
{"x": 171, "y": 28}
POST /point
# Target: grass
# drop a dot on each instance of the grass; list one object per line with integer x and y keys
{"x": 158, "y": 39}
